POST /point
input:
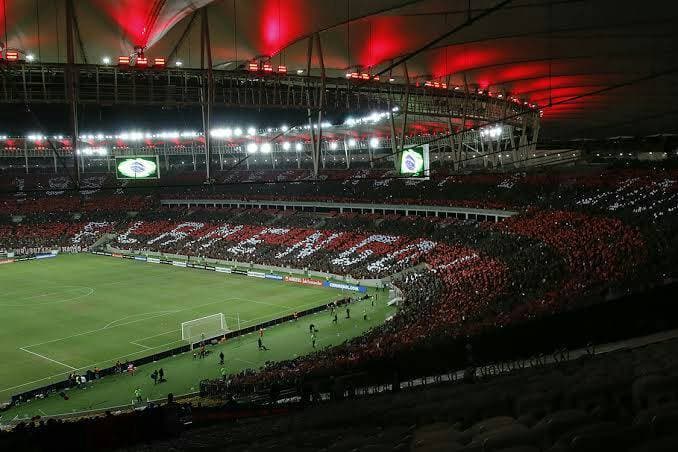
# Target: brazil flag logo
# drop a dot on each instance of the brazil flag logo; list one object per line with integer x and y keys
{"x": 412, "y": 163}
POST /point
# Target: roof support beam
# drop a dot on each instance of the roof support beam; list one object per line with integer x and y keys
{"x": 320, "y": 106}
{"x": 71, "y": 89}
{"x": 182, "y": 38}
{"x": 207, "y": 89}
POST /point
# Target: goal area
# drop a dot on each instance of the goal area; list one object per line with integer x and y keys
{"x": 204, "y": 328}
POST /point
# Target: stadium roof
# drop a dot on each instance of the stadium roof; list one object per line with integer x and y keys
{"x": 551, "y": 52}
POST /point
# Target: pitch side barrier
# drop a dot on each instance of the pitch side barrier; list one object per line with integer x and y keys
{"x": 288, "y": 275}
{"x": 27, "y": 257}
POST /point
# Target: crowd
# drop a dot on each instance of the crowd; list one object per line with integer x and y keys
{"x": 572, "y": 243}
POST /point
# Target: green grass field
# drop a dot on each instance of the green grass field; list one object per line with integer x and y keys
{"x": 81, "y": 311}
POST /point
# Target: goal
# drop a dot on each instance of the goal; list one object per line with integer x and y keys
{"x": 204, "y": 328}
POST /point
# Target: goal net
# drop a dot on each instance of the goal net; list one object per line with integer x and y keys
{"x": 204, "y": 328}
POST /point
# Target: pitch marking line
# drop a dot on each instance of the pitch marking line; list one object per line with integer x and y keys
{"x": 141, "y": 345}
{"x": 32, "y": 305}
{"x": 48, "y": 359}
{"x": 138, "y": 315}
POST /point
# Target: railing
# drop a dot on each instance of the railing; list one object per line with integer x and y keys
{"x": 111, "y": 85}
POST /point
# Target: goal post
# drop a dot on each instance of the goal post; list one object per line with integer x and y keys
{"x": 204, "y": 328}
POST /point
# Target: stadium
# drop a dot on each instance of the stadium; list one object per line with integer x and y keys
{"x": 337, "y": 225}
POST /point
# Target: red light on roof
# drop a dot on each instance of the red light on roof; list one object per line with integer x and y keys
{"x": 268, "y": 67}
{"x": 253, "y": 66}
{"x": 436, "y": 84}
{"x": 282, "y": 69}
{"x": 12, "y": 55}
{"x": 365, "y": 76}
{"x": 141, "y": 62}
{"x": 355, "y": 75}
{"x": 159, "y": 62}
{"x": 123, "y": 60}
{"x": 428, "y": 83}
{"x": 375, "y": 78}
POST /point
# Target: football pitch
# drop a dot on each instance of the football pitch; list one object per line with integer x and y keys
{"x": 77, "y": 312}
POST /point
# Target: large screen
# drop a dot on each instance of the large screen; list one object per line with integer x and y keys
{"x": 414, "y": 161}
{"x": 137, "y": 167}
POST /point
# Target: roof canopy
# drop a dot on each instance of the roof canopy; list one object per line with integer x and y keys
{"x": 550, "y": 52}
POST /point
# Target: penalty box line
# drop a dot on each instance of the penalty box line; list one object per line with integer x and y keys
{"x": 48, "y": 358}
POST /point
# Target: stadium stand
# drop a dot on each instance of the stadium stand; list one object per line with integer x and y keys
{"x": 571, "y": 245}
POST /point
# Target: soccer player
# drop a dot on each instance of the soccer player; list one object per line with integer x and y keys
{"x": 348, "y": 312}
{"x": 364, "y": 314}
{"x": 161, "y": 375}
{"x": 261, "y": 344}
{"x": 221, "y": 358}
{"x": 313, "y": 338}
{"x": 334, "y": 320}
{"x": 137, "y": 395}
{"x": 154, "y": 376}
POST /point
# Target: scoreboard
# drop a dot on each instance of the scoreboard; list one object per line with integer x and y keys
{"x": 137, "y": 167}
{"x": 414, "y": 162}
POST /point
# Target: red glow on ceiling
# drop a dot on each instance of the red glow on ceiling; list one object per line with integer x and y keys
{"x": 384, "y": 40}
{"x": 131, "y": 16}
{"x": 457, "y": 59}
{"x": 282, "y": 21}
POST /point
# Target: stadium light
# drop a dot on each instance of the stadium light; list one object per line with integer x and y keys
{"x": 300, "y": 71}
{"x": 237, "y": 131}
{"x": 284, "y": 128}
{"x": 352, "y": 142}
{"x": 251, "y": 131}
{"x": 252, "y": 148}
{"x": 178, "y": 63}
{"x": 266, "y": 148}
{"x": 106, "y": 60}
{"x": 333, "y": 145}
{"x": 374, "y": 142}
{"x": 299, "y": 146}
{"x": 286, "y": 146}
{"x": 30, "y": 57}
